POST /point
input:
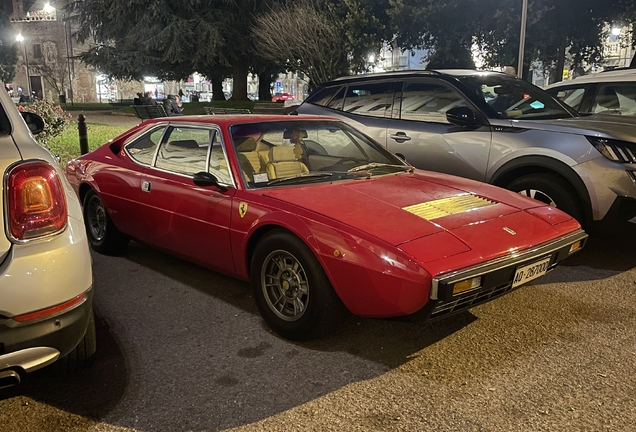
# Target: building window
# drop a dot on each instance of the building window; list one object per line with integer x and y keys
{"x": 37, "y": 51}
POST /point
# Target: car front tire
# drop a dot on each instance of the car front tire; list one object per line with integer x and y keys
{"x": 292, "y": 290}
{"x": 552, "y": 190}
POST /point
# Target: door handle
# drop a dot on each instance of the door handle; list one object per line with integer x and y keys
{"x": 400, "y": 137}
{"x": 145, "y": 186}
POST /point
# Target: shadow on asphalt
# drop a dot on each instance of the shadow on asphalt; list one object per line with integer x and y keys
{"x": 93, "y": 392}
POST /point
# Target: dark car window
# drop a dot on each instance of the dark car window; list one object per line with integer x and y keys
{"x": 368, "y": 99}
{"x": 512, "y": 98}
{"x": 424, "y": 101}
{"x": 571, "y": 95}
{"x": 323, "y": 95}
{"x": 615, "y": 98}
{"x": 143, "y": 148}
{"x": 336, "y": 102}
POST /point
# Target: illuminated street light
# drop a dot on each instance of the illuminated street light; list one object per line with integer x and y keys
{"x": 20, "y": 39}
{"x": 48, "y": 8}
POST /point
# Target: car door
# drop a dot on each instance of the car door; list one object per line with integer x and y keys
{"x": 184, "y": 218}
{"x": 420, "y": 131}
{"x": 120, "y": 185}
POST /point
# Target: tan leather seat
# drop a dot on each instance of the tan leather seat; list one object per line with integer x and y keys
{"x": 249, "y": 159}
{"x": 283, "y": 163}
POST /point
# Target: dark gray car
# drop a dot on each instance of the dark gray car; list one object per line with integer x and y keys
{"x": 494, "y": 128}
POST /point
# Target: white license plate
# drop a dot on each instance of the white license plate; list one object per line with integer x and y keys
{"x": 530, "y": 272}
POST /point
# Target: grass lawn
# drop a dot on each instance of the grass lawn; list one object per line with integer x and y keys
{"x": 67, "y": 147}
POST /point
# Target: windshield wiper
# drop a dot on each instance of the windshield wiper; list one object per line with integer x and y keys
{"x": 299, "y": 176}
{"x": 374, "y": 165}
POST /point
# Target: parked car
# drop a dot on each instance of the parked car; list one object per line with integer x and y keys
{"x": 45, "y": 279}
{"x": 497, "y": 129}
{"x": 282, "y": 97}
{"x": 607, "y": 92}
{"x": 316, "y": 215}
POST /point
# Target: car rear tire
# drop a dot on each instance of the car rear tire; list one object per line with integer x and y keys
{"x": 82, "y": 354}
{"x": 292, "y": 290}
{"x": 552, "y": 190}
{"x": 103, "y": 235}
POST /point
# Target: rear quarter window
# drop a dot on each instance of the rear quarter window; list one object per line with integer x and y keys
{"x": 323, "y": 95}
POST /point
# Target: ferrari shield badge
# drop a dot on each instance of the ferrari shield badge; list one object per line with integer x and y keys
{"x": 242, "y": 209}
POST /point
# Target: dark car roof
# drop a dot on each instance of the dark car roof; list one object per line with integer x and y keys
{"x": 409, "y": 73}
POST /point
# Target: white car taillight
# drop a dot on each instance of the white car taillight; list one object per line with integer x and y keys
{"x": 35, "y": 204}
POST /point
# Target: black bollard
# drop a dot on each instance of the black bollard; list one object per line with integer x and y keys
{"x": 83, "y": 134}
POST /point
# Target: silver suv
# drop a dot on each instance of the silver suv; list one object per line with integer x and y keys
{"x": 45, "y": 266}
{"x": 494, "y": 128}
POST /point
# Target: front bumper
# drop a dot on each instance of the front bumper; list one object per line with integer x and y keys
{"x": 497, "y": 277}
{"x": 33, "y": 345}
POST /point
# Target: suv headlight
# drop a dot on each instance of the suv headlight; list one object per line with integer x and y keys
{"x": 615, "y": 150}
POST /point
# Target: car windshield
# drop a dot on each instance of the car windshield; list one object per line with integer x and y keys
{"x": 313, "y": 151}
{"x": 513, "y": 98}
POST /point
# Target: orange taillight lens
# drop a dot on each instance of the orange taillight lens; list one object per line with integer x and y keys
{"x": 35, "y": 200}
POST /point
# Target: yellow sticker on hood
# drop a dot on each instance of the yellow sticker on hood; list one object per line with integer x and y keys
{"x": 448, "y": 206}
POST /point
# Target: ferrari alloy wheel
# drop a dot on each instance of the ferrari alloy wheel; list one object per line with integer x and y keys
{"x": 103, "y": 236}
{"x": 292, "y": 290}
{"x": 551, "y": 190}
{"x": 285, "y": 285}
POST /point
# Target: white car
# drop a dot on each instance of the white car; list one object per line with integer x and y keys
{"x": 46, "y": 281}
{"x": 607, "y": 92}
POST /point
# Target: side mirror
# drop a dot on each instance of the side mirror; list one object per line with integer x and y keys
{"x": 115, "y": 147}
{"x": 33, "y": 121}
{"x": 401, "y": 156}
{"x": 461, "y": 116}
{"x": 206, "y": 179}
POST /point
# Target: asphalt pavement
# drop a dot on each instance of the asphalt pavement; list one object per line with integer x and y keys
{"x": 182, "y": 348}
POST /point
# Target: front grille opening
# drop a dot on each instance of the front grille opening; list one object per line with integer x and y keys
{"x": 469, "y": 300}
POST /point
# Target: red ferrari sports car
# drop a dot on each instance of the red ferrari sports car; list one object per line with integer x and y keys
{"x": 320, "y": 218}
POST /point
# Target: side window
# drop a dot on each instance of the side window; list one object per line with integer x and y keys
{"x": 423, "y": 101}
{"x": 218, "y": 164}
{"x": 573, "y": 96}
{"x": 615, "y": 98}
{"x": 184, "y": 150}
{"x": 368, "y": 99}
{"x": 323, "y": 96}
{"x": 336, "y": 102}
{"x": 143, "y": 148}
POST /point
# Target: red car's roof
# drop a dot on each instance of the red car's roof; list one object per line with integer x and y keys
{"x": 232, "y": 119}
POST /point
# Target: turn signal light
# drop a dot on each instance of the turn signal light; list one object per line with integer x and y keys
{"x": 575, "y": 246}
{"x": 35, "y": 201}
{"x": 466, "y": 285}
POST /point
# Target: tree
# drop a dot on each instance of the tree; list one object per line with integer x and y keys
{"x": 8, "y": 48}
{"x": 170, "y": 39}
{"x": 323, "y": 39}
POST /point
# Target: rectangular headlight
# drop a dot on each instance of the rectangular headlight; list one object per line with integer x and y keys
{"x": 466, "y": 285}
{"x": 615, "y": 150}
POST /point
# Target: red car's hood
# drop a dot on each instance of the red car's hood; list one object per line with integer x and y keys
{"x": 377, "y": 205}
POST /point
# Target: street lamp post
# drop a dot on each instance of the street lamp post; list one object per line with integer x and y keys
{"x": 20, "y": 39}
{"x": 522, "y": 37}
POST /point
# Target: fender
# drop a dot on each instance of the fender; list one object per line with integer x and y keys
{"x": 499, "y": 178}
